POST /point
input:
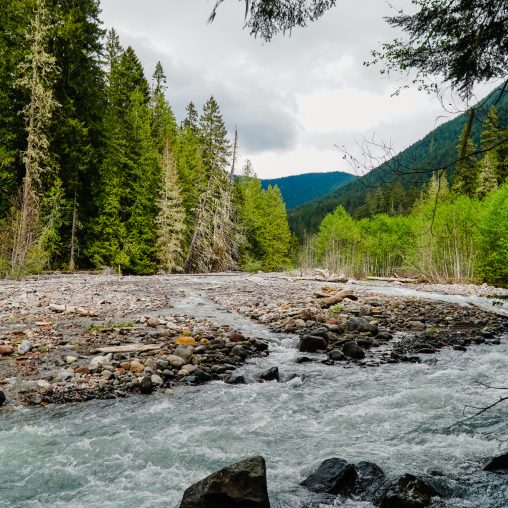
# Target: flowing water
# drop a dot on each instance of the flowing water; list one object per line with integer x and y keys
{"x": 144, "y": 451}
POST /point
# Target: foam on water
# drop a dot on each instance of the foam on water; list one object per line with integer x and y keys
{"x": 144, "y": 451}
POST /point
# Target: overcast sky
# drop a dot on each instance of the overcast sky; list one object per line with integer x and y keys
{"x": 292, "y": 99}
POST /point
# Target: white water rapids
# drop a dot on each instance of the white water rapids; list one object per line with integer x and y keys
{"x": 144, "y": 451}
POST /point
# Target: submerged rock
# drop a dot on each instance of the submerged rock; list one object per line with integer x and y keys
{"x": 333, "y": 476}
{"x": 241, "y": 485}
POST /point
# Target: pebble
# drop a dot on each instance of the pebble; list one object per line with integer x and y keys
{"x": 65, "y": 375}
{"x": 70, "y": 359}
{"x": 136, "y": 367}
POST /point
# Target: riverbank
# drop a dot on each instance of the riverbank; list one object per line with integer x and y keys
{"x": 71, "y": 338}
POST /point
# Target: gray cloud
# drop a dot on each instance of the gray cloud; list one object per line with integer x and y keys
{"x": 293, "y": 98}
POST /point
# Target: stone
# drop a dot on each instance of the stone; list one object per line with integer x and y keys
{"x": 153, "y": 322}
{"x": 311, "y": 344}
{"x": 408, "y": 491}
{"x": 57, "y": 308}
{"x": 156, "y": 380}
{"x": 125, "y": 365}
{"x": 146, "y": 385}
{"x": 43, "y": 384}
{"x": 353, "y": 350}
{"x": 236, "y": 337}
{"x": 416, "y": 326}
{"x": 242, "y": 485}
{"x": 3, "y": 398}
{"x": 184, "y": 352}
{"x": 25, "y": 346}
{"x": 299, "y": 323}
{"x": 361, "y": 324}
{"x": 6, "y": 349}
{"x": 136, "y": 367}
{"x": 333, "y": 476}
{"x": 107, "y": 374}
{"x": 162, "y": 364}
{"x": 236, "y": 379}
{"x": 271, "y": 374}
{"x": 370, "y": 479}
{"x": 239, "y": 351}
{"x": 184, "y": 340}
{"x": 99, "y": 361}
{"x": 175, "y": 361}
{"x": 82, "y": 370}
{"x": 336, "y": 355}
{"x": 65, "y": 375}
{"x": 70, "y": 359}
{"x": 498, "y": 463}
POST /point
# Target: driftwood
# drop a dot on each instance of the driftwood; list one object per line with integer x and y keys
{"x": 129, "y": 348}
{"x": 404, "y": 280}
{"x": 336, "y": 298}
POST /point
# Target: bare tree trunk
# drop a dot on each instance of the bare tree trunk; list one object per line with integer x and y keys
{"x": 72, "y": 264}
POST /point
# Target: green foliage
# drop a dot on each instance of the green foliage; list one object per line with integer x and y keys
{"x": 493, "y": 237}
{"x": 263, "y": 219}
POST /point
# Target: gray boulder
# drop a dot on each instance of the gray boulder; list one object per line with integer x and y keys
{"x": 353, "y": 350}
{"x": 242, "y": 485}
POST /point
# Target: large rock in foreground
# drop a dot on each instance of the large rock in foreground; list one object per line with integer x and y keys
{"x": 242, "y": 485}
{"x": 408, "y": 492}
{"x": 333, "y": 476}
{"x": 499, "y": 463}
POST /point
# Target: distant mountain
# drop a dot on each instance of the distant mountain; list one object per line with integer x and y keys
{"x": 300, "y": 189}
{"x": 400, "y": 178}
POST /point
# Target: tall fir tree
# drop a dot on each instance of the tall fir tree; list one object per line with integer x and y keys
{"x": 77, "y": 129}
{"x": 170, "y": 219}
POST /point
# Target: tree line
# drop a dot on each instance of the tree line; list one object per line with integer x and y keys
{"x": 95, "y": 171}
{"x": 457, "y": 231}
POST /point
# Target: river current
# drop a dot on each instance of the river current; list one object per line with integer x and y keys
{"x": 144, "y": 451}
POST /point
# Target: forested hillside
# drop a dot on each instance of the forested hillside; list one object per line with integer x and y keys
{"x": 95, "y": 170}
{"x": 297, "y": 190}
{"x": 394, "y": 186}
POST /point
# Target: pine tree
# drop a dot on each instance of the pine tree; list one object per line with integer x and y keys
{"x": 171, "y": 216}
{"x": 113, "y": 50}
{"x": 465, "y": 179}
{"x": 487, "y": 178}
{"x": 36, "y": 77}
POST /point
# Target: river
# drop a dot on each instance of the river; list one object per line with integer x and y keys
{"x": 144, "y": 451}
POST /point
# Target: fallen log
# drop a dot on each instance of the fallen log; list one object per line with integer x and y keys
{"x": 129, "y": 348}
{"x": 404, "y": 280}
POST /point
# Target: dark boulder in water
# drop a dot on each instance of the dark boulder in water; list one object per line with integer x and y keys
{"x": 311, "y": 344}
{"x": 271, "y": 374}
{"x": 3, "y": 398}
{"x": 353, "y": 350}
{"x": 408, "y": 491}
{"x": 241, "y": 485}
{"x": 333, "y": 476}
{"x": 499, "y": 463}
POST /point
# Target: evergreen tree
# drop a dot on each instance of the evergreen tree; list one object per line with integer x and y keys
{"x": 123, "y": 230}
{"x": 171, "y": 215}
{"x": 465, "y": 179}
{"x": 36, "y": 77}
{"x": 164, "y": 126}
{"x": 76, "y": 131}
{"x": 191, "y": 121}
{"x": 113, "y": 50}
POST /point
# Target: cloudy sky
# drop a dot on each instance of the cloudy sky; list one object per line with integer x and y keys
{"x": 292, "y": 99}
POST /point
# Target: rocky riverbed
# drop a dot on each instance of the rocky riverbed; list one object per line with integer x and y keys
{"x": 72, "y": 338}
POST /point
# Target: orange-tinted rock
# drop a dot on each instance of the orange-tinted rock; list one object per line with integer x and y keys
{"x": 185, "y": 341}
{"x": 5, "y": 349}
{"x": 125, "y": 365}
{"x": 236, "y": 337}
{"x": 137, "y": 367}
{"x": 82, "y": 370}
